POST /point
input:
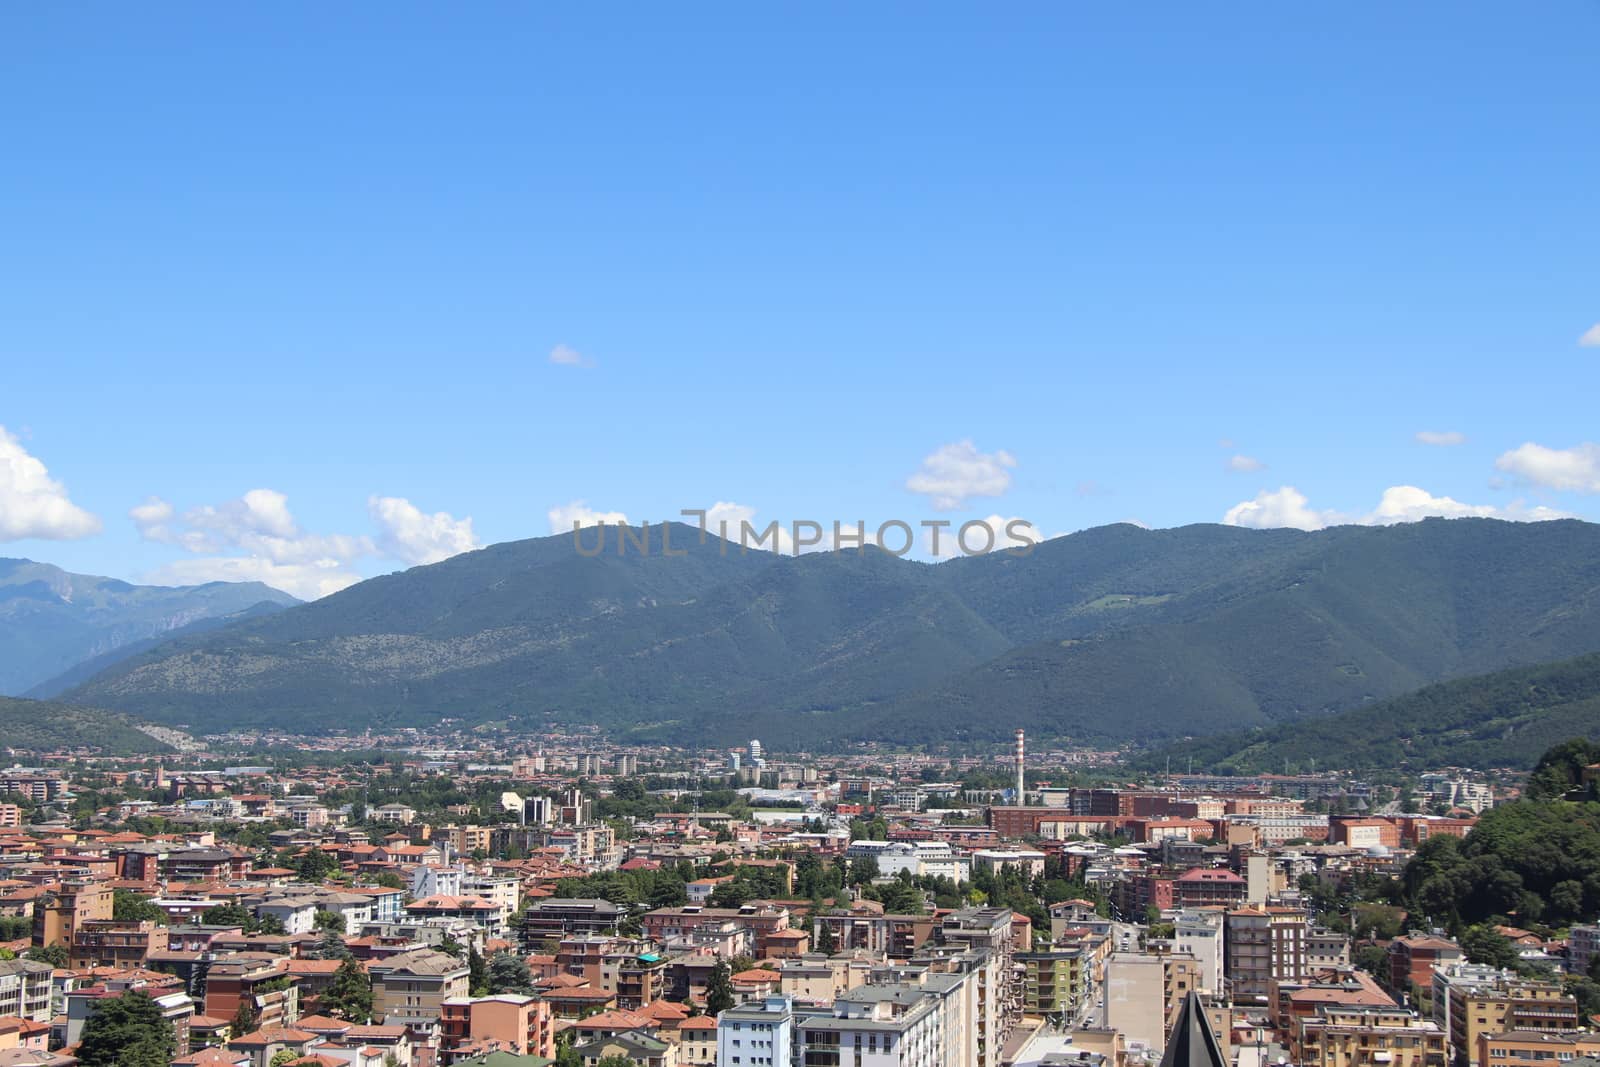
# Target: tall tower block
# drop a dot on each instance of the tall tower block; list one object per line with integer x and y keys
{"x": 1022, "y": 795}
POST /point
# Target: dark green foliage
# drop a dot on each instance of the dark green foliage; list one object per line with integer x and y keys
{"x": 508, "y": 973}
{"x": 1535, "y": 859}
{"x": 43, "y": 726}
{"x": 349, "y": 995}
{"x": 55, "y": 955}
{"x": 863, "y": 869}
{"x": 131, "y": 907}
{"x": 719, "y": 989}
{"x": 1374, "y": 960}
{"x": 127, "y": 1031}
{"x": 330, "y": 945}
{"x": 242, "y": 917}
{"x": 477, "y": 972}
{"x": 658, "y": 889}
{"x": 1486, "y": 945}
{"x": 244, "y": 1019}
{"x": 1559, "y": 772}
{"x": 314, "y": 865}
{"x": 1505, "y": 719}
{"x": 1110, "y": 634}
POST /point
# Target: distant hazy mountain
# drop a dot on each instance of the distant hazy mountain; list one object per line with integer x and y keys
{"x": 51, "y": 620}
{"x": 1113, "y": 634}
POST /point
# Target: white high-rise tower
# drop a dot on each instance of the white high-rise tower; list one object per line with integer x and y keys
{"x": 1022, "y": 795}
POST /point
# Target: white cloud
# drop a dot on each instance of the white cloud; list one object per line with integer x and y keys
{"x": 32, "y": 504}
{"x": 567, "y": 356}
{"x": 1277, "y": 508}
{"x": 1440, "y": 438}
{"x": 1576, "y": 469}
{"x": 957, "y": 471}
{"x": 1591, "y": 337}
{"x": 1007, "y": 532}
{"x": 1288, "y": 507}
{"x": 253, "y": 538}
{"x": 1241, "y": 464}
{"x": 413, "y": 536}
{"x": 1407, "y": 503}
{"x": 562, "y": 516}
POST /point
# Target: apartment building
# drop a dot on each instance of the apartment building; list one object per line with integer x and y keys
{"x": 1346, "y": 1036}
{"x": 25, "y": 989}
{"x": 410, "y": 989}
{"x": 110, "y": 943}
{"x": 506, "y": 1022}
{"x": 58, "y": 914}
{"x": 1479, "y": 1001}
{"x": 1530, "y": 1048}
{"x": 1264, "y": 945}
{"x": 759, "y": 1034}
{"x": 1053, "y": 982}
{"x": 876, "y": 1026}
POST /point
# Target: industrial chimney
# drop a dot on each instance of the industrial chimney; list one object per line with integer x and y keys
{"x": 1022, "y": 795}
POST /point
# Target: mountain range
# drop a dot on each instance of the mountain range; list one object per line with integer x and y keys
{"x": 1112, "y": 635}
{"x": 57, "y": 628}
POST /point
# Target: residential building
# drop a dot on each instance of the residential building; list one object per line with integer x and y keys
{"x": 25, "y": 989}
{"x": 112, "y": 943}
{"x": 410, "y": 989}
{"x": 759, "y": 1034}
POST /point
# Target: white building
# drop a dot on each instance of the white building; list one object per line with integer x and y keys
{"x": 433, "y": 880}
{"x": 757, "y": 1034}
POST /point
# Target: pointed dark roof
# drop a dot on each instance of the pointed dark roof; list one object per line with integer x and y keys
{"x": 1191, "y": 1042}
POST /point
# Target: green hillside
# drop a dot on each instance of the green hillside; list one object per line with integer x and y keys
{"x": 45, "y": 726}
{"x": 1110, "y": 635}
{"x": 1505, "y": 719}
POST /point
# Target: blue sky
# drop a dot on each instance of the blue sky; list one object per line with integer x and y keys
{"x": 1073, "y": 265}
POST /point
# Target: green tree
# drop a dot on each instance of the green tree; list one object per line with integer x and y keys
{"x": 566, "y": 1052}
{"x": 349, "y": 994}
{"x": 229, "y": 915}
{"x": 55, "y": 955}
{"x": 719, "y": 989}
{"x": 129, "y": 907}
{"x": 283, "y": 1056}
{"x": 389, "y": 880}
{"x": 330, "y": 946}
{"x": 315, "y": 865}
{"x": 1373, "y": 960}
{"x": 244, "y": 1019}
{"x": 477, "y": 973}
{"x": 127, "y": 1031}
{"x": 1485, "y": 944}
{"x": 508, "y": 973}
{"x": 863, "y": 869}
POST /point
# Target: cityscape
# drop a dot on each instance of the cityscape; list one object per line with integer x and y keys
{"x": 799, "y": 535}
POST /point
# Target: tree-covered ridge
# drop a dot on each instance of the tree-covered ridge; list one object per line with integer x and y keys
{"x": 45, "y": 726}
{"x": 1504, "y": 719}
{"x": 1108, "y": 635}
